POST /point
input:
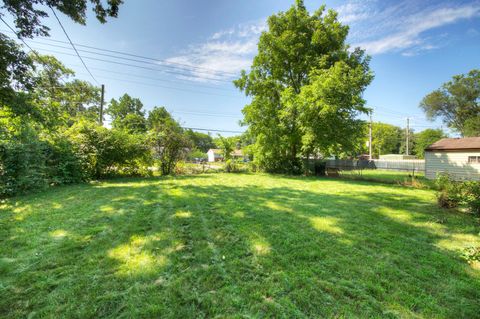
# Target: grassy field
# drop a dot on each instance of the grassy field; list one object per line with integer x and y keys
{"x": 386, "y": 176}
{"x": 235, "y": 245}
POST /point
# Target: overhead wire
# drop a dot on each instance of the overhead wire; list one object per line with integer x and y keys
{"x": 73, "y": 46}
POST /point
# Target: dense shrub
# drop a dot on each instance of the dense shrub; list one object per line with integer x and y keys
{"x": 471, "y": 192}
{"x": 453, "y": 194}
{"x": 107, "y": 152}
{"x": 63, "y": 161}
{"x": 449, "y": 192}
{"x": 22, "y": 166}
{"x": 231, "y": 166}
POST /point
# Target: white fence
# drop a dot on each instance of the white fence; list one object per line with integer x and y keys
{"x": 400, "y": 165}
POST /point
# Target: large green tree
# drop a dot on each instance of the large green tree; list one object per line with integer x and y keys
{"x": 306, "y": 89}
{"x": 386, "y": 139}
{"x": 200, "y": 141}
{"x": 127, "y": 113}
{"x": 15, "y": 68}
{"x": 457, "y": 103}
{"x": 425, "y": 138}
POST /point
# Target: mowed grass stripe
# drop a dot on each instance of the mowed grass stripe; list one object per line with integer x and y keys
{"x": 235, "y": 245}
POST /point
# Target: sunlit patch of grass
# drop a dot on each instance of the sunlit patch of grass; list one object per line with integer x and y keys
{"x": 58, "y": 234}
{"x": 326, "y": 224}
{"x": 234, "y": 246}
{"x": 136, "y": 257}
{"x": 183, "y": 214}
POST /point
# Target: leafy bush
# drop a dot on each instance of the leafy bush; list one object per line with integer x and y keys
{"x": 22, "y": 166}
{"x": 231, "y": 166}
{"x": 64, "y": 163}
{"x": 107, "y": 152}
{"x": 449, "y": 192}
{"x": 453, "y": 194}
{"x": 472, "y": 196}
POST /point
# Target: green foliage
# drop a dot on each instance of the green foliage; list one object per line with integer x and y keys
{"x": 306, "y": 89}
{"x": 158, "y": 117}
{"x": 22, "y": 163}
{"x": 226, "y": 145}
{"x": 127, "y": 113}
{"x": 426, "y": 138}
{"x": 231, "y": 166}
{"x": 201, "y": 141}
{"x": 197, "y": 154}
{"x": 471, "y": 196}
{"x": 449, "y": 192}
{"x": 457, "y": 103}
{"x": 28, "y": 14}
{"x": 471, "y": 126}
{"x": 108, "y": 152}
{"x": 30, "y": 162}
{"x": 15, "y": 68}
{"x": 453, "y": 194}
{"x": 169, "y": 146}
{"x": 385, "y": 139}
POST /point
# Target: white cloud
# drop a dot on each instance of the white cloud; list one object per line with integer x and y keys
{"x": 354, "y": 11}
{"x": 223, "y": 55}
{"x": 408, "y": 32}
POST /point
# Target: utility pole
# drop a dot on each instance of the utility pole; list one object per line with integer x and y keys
{"x": 407, "y": 134}
{"x": 100, "y": 119}
{"x": 370, "y": 137}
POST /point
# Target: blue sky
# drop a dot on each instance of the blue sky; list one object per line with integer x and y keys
{"x": 202, "y": 45}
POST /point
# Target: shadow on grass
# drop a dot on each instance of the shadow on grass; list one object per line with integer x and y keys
{"x": 200, "y": 247}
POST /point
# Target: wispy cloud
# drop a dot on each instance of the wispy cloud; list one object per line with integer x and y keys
{"x": 403, "y": 29}
{"x": 223, "y": 55}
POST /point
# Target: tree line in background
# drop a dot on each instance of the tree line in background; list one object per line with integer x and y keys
{"x": 306, "y": 87}
{"x": 51, "y": 134}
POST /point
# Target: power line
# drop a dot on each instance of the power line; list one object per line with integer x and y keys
{"x": 213, "y": 73}
{"x": 158, "y": 79}
{"x": 165, "y": 87}
{"x": 20, "y": 38}
{"x": 25, "y": 43}
{"x": 148, "y": 58}
{"x": 73, "y": 46}
{"x": 164, "y": 63}
{"x": 135, "y": 66}
{"x": 211, "y": 130}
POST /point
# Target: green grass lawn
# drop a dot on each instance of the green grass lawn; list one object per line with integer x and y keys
{"x": 235, "y": 245}
{"x": 387, "y": 176}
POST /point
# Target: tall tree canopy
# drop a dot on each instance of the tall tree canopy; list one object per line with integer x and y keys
{"x": 28, "y": 14}
{"x": 306, "y": 89}
{"x": 386, "y": 139}
{"x": 457, "y": 103}
{"x": 127, "y": 113}
{"x": 426, "y": 138}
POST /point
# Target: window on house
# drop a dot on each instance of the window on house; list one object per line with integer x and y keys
{"x": 474, "y": 159}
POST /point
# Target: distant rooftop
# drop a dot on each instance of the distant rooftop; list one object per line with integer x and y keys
{"x": 446, "y": 144}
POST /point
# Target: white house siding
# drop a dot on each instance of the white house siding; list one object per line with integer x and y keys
{"x": 454, "y": 163}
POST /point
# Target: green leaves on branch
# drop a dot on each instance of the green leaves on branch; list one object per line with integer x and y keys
{"x": 457, "y": 103}
{"x": 306, "y": 88}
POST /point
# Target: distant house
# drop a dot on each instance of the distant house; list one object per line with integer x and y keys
{"x": 458, "y": 157}
{"x": 216, "y": 155}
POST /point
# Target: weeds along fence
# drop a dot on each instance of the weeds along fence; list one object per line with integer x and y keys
{"x": 400, "y": 165}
